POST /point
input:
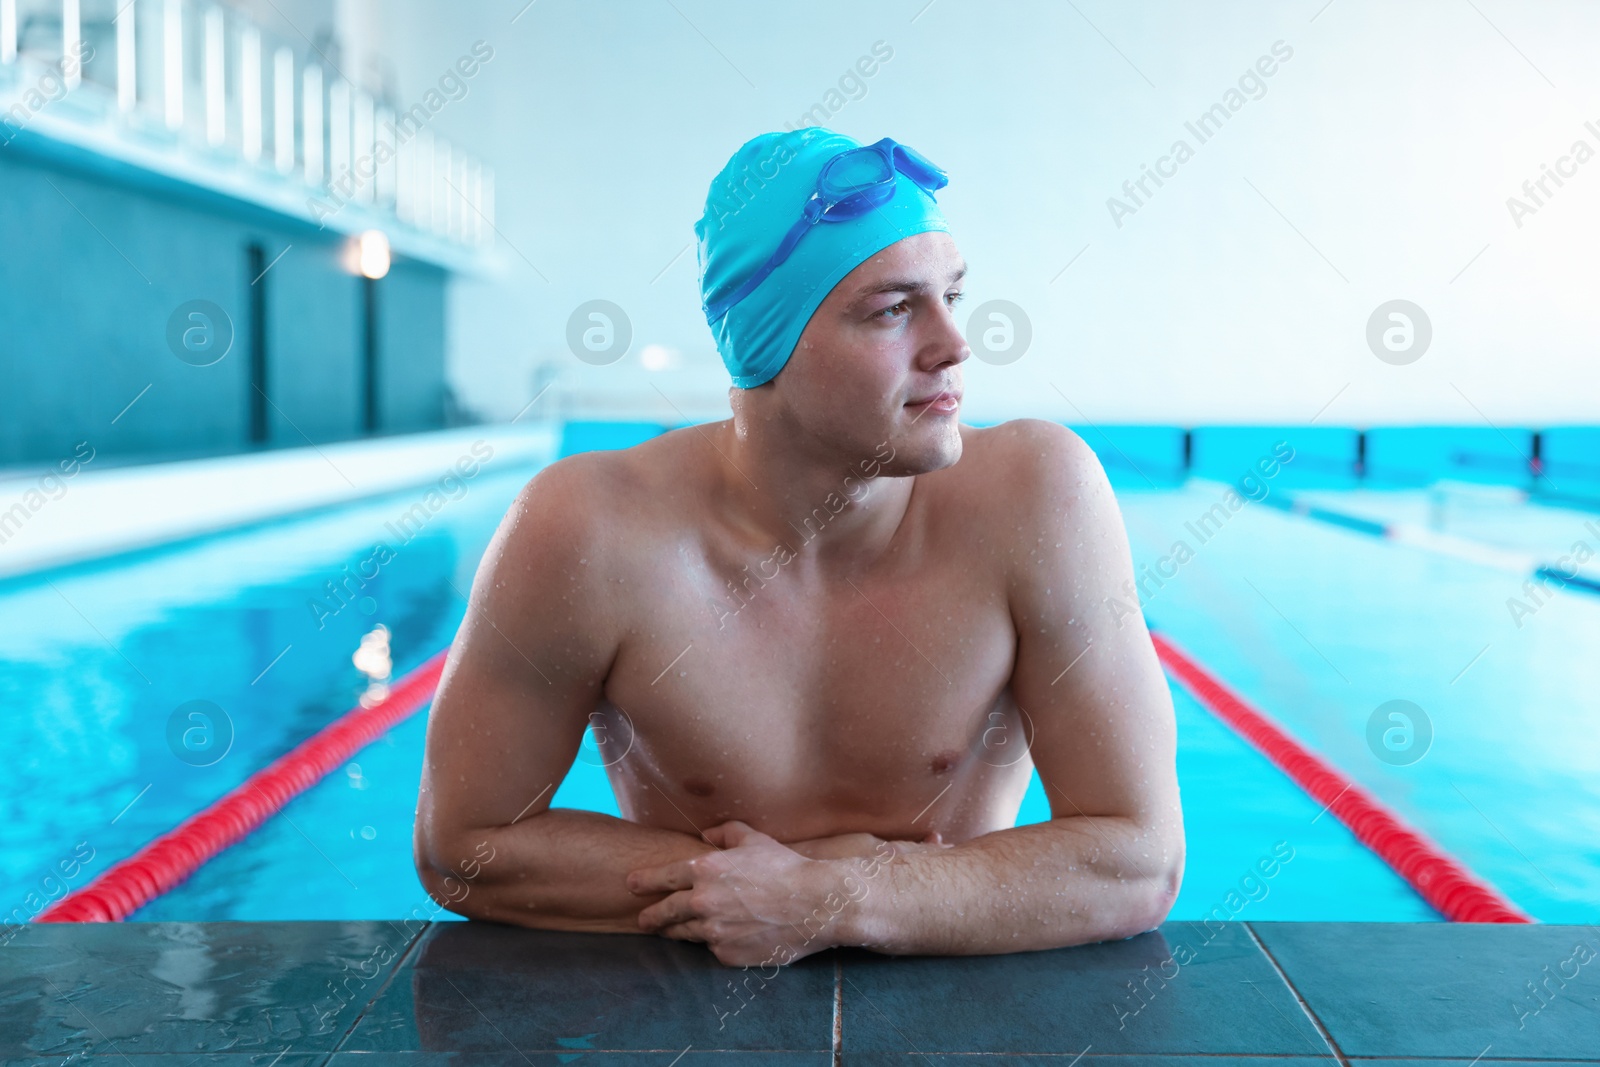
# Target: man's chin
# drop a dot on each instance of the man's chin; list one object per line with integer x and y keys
{"x": 923, "y": 448}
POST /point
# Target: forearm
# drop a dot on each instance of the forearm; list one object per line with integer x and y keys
{"x": 562, "y": 869}
{"x": 1046, "y": 885}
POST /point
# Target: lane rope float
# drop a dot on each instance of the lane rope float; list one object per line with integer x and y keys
{"x": 1511, "y": 560}
{"x": 1440, "y": 879}
{"x": 131, "y": 883}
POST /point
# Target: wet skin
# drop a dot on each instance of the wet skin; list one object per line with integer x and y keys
{"x": 837, "y": 619}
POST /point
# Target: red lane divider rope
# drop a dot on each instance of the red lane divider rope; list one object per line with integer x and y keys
{"x": 174, "y": 856}
{"x": 167, "y": 861}
{"x": 1441, "y": 880}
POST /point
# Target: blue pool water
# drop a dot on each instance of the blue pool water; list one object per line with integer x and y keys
{"x": 95, "y": 661}
{"x": 1319, "y": 625}
{"x": 1316, "y": 624}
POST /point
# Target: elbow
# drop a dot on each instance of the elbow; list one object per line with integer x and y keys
{"x": 445, "y": 889}
{"x": 1161, "y": 897}
{"x": 1148, "y": 890}
{"x": 429, "y": 846}
{"x": 449, "y": 866}
{"x": 1161, "y": 888}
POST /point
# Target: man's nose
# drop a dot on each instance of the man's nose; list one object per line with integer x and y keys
{"x": 950, "y": 345}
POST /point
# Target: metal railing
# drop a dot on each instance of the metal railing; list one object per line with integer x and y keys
{"x": 198, "y": 77}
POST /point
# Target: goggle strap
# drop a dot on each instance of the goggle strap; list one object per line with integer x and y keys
{"x": 790, "y": 239}
{"x": 901, "y": 158}
{"x": 918, "y": 169}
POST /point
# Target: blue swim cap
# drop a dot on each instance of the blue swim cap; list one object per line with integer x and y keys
{"x": 753, "y": 202}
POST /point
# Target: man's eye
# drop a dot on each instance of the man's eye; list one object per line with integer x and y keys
{"x": 954, "y": 298}
{"x": 885, "y": 312}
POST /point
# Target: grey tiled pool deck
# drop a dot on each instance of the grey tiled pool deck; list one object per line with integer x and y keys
{"x": 1186, "y": 995}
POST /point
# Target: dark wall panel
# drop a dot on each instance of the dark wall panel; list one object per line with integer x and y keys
{"x": 314, "y": 339}
{"x": 92, "y": 271}
{"x": 89, "y": 276}
{"x": 411, "y": 337}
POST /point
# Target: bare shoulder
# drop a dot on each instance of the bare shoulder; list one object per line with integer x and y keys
{"x": 1031, "y": 463}
{"x": 567, "y": 496}
{"x": 1015, "y": 436}
{"x": 1050, "y": 488}
{"x": 604, "y": 499}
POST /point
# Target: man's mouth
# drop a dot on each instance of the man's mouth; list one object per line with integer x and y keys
{"x": 944, "y": 402}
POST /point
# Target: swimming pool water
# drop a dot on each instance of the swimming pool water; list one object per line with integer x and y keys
{"x": 1318, "y": 626}
{"x": 95, "y": 661}
{"x": 1314, "y": 624}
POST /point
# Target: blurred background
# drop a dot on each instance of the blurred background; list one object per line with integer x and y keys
{"x": 295, "y": 295}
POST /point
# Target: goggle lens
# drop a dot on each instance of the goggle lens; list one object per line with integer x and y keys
{"x": 853, "y": 171}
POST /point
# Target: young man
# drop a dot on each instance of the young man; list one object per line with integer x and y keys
{"x": 825, "y": 643}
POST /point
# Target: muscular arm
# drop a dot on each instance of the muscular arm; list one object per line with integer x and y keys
{"x": 1108, "y": 863}
{"x": 522, "y": 678}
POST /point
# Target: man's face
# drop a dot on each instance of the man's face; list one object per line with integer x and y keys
{"x": 883, "y": 339}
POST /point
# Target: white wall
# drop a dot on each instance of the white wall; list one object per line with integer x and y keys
{"x": 1376, "y": 166}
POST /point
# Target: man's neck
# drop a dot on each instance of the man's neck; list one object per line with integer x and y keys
{"x": 834, "y": 510}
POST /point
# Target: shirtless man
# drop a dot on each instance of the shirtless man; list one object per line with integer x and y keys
{"x": 824, "y": 643}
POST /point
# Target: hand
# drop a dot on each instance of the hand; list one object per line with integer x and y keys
{"x": 754, "y": 902}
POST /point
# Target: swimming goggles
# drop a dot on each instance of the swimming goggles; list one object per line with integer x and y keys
{"x": 850, "y": 184}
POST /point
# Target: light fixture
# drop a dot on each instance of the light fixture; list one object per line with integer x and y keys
{"x": 372, "y": 254}
{"x": 658, "y": 357}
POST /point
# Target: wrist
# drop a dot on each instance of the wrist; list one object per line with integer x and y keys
{"x": 817, "y": 915}
{"x": 860, "y": 888}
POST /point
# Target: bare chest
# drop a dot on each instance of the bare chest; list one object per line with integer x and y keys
{"x": 750, "y": 690}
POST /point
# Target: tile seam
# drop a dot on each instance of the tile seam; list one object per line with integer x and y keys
{"x": 838, "y": 1010}
{"x": 1333, "y": 1046}
{"x": 388, "y": 979}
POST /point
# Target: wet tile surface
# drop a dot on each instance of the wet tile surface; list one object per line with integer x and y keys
{"x": 956, "y": 1059}
{"x": 678, "y": 1058}
{"x": 174, "y": 1059}
{"x": 481, "y": 995}
{"x": 129, "y": 989}
{"x": 489, "y": 988}
{"x": 1447, "y": 989}
{"x": 1184, "y": 988}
